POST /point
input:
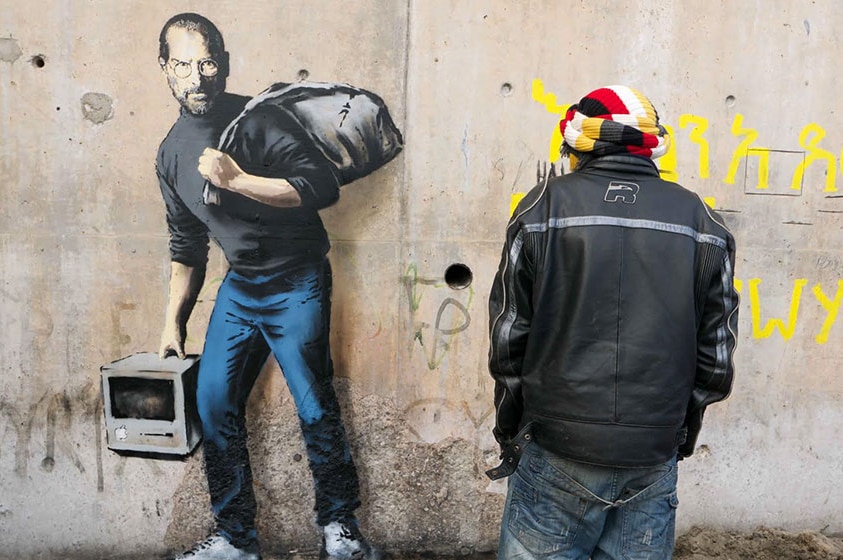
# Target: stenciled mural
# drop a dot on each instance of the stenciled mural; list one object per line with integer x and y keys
{"x": 251, "y": 174}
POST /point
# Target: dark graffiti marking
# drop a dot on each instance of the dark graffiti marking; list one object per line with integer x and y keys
{"x": 542, "y": 173}
{"x": 344, "y": 112}
{"x": 462, "y": 309}
{"x": 477, "y": 422}
{"x": 53, "y": 415}
{"x": 830, "y": 263}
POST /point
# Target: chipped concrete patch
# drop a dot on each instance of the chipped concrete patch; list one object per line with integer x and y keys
{"x": 417, "y": 497}
{"x": 9, "y": 50}
{"x": 97, "y": 107}
{"x": 762, "y": 543}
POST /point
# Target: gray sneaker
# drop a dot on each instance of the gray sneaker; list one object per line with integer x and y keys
{"x": 217, "y": 547}
{"x": 344, "y": 541}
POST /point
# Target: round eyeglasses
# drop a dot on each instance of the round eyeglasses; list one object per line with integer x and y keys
{"x": 208, "y": 67}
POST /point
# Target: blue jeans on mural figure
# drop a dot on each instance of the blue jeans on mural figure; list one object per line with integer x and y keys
{"x": 287, "y": 314}
{"x": 558, "y": 509}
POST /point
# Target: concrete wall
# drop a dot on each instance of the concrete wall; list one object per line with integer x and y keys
{"x": 749, "y": 88}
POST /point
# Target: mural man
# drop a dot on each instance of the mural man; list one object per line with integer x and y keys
{"x": 275, "y": 297}
{"x": 613, "y": 321}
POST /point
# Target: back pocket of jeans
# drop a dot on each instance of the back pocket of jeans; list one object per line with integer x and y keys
{"x": 547, "y": 521}
{"x": 649, "y": 526}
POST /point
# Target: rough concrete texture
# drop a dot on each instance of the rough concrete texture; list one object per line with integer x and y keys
{"x": 749, "y": 90}
{"x": 761, "y": 544}
{"x": 417, "y": 496}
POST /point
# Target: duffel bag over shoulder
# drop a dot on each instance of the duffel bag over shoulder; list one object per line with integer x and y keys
{"x": 351, "y": 126}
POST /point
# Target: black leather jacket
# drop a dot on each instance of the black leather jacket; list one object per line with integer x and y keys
{"x": 613, "y": 316}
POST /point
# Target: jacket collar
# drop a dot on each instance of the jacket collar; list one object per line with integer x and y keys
{"x": 622, "y": 163}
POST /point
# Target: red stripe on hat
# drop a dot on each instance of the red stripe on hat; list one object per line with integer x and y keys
{"x": 569, "y": 116}
{"x": 638, "y": 150}
{"x": 609, "y": 99}
{"x": 649, "y": 140}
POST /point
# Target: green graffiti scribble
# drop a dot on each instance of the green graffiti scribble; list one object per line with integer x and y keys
{"x": 436, "y": 350}
{"x": 204, "y": 293}
{"x": 411, "y": 280}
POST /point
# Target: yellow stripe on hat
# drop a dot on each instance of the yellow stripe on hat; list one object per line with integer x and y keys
{"x": 584, "y": 143}
{"x": 648, "y": 127}
{"x": 591, "y": 127}
{"x": 645, "y": 104}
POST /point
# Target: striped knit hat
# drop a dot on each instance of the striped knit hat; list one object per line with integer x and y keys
{"x": 615, "y": 120}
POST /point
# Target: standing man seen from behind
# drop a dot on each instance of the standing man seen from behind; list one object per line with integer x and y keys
{"x": 275, "y": 297}
{"x": 613, "y": 323}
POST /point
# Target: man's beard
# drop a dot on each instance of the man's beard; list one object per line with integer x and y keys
{"x": 195, "y": 107}
{"x": 198, "y": 107}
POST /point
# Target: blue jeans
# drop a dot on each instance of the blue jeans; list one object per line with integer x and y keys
{"x": 287, "y": 314}
{"x": 559, "y": 509}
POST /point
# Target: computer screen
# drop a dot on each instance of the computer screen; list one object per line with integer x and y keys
{"x": 135, "y": 397}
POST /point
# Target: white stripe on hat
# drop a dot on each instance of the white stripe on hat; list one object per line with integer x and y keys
{"x": 633, "y": 104}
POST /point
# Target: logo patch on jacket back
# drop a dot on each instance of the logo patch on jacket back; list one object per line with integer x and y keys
{"x": 621, "y": 191}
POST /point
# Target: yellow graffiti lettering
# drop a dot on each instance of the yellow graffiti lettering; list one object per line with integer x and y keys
{"x": 831, "y": 307}
{"x": 710, "y": 200}
{"x": 667, "y": 163}
{"x": 744, "y": 150}
{"x": 514, "y": 200}
{"x": 815, "y": 153}
{"x": 786, "y": 330}
{"x": 763, "y": 155}
{"x": 699, "y": 126}
{"x": 548, "y": 100}
{"x": 738, "y": 285}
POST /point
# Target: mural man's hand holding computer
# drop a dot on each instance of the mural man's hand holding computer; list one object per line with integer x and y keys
{"x": 172, "y": 342}
{"x": 185, "y": 283}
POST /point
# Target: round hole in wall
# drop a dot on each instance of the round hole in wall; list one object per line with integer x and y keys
{"x": 303, "y": 75}
{"x": 38, "y": 61}
{"x": 458, "y": 276}
{"x": 730, "y": 101}
{"x": 506, "y": 89}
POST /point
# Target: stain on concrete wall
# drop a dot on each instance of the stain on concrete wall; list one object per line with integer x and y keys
{"x": 9, "y": 50}
{"x": 97, "y": 107}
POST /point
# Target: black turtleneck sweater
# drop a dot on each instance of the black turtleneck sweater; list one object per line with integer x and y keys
{"x": 256, "y": 238}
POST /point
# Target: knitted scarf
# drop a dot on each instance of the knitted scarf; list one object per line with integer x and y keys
{"x": 615, "y": 120}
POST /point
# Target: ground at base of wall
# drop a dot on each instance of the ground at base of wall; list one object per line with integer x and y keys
{"x": 761, "y": 544}
{"x": 703, "y": 544}
{"x": 700, "y": 544}
{"x": 696, "y": 544}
